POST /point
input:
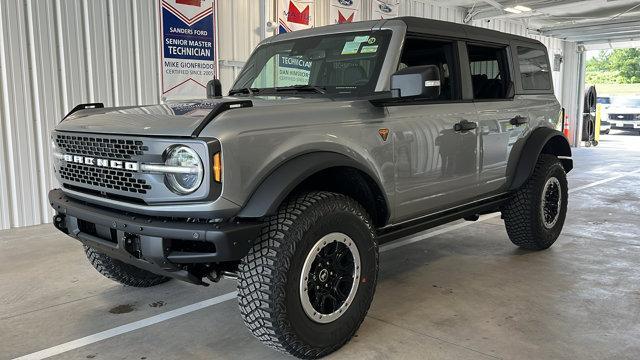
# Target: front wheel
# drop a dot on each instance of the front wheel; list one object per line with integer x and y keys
{"x": 535, "y": 214}
{"x": 308, "y": 282}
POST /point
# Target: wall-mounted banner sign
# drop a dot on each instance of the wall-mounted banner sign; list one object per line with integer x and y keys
{"x": 384, "y": 9}
{"x": 295, "y": 15}
{"x": 189, "y": 56}
{"x": 345, "y": 11}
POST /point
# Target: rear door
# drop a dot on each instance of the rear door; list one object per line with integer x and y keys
{"x": 502, "y": 117}
{"x": 436, "y": 166}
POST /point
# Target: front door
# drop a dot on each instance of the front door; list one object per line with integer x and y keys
{"x": 436, "y": 164}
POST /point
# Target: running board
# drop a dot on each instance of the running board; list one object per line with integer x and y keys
{"x": 411, "y": 227}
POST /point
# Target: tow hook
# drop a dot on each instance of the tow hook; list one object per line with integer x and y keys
{"x": 60, "y": 223}
{"x": 216, "y": 275}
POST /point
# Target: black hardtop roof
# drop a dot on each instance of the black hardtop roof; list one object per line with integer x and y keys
{"x": 446, "y": 28}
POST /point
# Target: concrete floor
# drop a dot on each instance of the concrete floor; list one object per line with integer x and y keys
{"x": 465, "y": 293}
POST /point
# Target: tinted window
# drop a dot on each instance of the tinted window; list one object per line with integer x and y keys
{"x": 489, "y": 72}
{"x": 534, "y": 68}
{"x": 418, "y": 52}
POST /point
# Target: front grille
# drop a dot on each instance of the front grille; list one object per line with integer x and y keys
{"x": 622, "y": 116}
{"x": 84, "y": 163}
{"x": 100, "y": 147}
{"x": 107, "y": 178}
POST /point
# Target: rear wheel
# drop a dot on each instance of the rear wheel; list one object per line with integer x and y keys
{"x": 308, "y": 282}
{"x": 123, "y": 273}
{"x": 535, "y": 214}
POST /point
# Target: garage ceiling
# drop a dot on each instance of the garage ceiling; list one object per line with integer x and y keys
{"x": 588, "y": 22}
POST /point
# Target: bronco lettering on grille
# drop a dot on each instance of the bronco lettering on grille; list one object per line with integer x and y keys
{"x": 113, "y": 164}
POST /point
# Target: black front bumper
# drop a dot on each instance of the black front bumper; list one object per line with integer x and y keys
{"x": 165, "y": 246}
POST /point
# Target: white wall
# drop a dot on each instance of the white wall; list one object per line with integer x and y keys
{"x": 55, "y": 54}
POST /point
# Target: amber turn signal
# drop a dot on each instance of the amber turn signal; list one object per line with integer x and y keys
{"x": 217, "y": 168}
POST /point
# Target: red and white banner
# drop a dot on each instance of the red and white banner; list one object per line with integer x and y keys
{"x": 295, "y": 15}
{"x": 384, "y": 9}
{"x": 189, "y": 57}
{"x": 345, "y": 11}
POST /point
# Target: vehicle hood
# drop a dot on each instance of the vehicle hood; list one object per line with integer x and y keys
{"x": 174, "y": 118}
{"x": 623, "y": 110}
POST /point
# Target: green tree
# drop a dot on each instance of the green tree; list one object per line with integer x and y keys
{"x": 619, "y": 66}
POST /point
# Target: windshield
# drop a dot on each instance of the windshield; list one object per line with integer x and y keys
{"x": 626, "y": 102}
{"x": 339, "y": 64}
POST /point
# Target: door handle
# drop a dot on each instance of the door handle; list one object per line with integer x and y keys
{"x": 519, "y": 120}
{"x": 465, "y": 125}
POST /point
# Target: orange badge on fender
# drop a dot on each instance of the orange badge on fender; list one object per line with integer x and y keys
{"x": 384, "y": 133}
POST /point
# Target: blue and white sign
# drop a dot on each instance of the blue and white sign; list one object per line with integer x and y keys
{"x": 189, "y": 56}
{"x": 384, "y": 9}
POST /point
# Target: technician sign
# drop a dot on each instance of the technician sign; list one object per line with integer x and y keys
{"x": 189, "y": 47}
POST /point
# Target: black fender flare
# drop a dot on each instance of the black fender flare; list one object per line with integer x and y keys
{"x": 542, "y": 140}
{"x": 276, "y": 186}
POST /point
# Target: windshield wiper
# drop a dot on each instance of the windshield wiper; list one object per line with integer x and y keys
{"x": 314, "y": 88}
{"x": 246, "y": 90}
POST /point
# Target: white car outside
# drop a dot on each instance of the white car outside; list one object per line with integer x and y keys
{"x": 623, "y": 113}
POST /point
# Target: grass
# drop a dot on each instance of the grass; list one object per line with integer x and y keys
{"x": 618, "y": 89}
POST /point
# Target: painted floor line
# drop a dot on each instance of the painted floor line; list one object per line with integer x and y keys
{"x": 603, "y": 181}
{"x": 87, "y": 340}
{"x": 75, "y": 344}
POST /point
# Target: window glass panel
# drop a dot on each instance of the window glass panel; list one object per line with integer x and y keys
{"x": 489, "y": 72}
{"x": 419, "y": 52}
{"x": 338, "y": 64}
{"x": 534, "y": 68}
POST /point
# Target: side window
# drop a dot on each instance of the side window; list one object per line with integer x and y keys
{"x": 418, "y": 52}
{"x": 534, "y": 68}
{"x": 489, "y": 72}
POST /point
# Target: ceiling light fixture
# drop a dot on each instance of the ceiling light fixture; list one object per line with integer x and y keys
{"x": 512, "y": 10}
{"x": 522, "y": 8}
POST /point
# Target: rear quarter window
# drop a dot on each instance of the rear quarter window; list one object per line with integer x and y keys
{"x": 534, "y": 68}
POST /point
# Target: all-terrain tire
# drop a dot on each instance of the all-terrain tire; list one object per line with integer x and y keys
{"x": 123, "y": 273}
{"x": 269, "y": 276}
{"x": 523, "y": 214}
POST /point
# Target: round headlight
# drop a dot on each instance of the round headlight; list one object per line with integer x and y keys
{"x": 189, "y": 171}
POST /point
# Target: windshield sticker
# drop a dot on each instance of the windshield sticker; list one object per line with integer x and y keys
{"x": 369, "y": 49}
{"x": 293, "y": 71}
{"x": 351, "y": 47}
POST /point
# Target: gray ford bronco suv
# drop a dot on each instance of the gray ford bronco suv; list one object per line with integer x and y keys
{"x": 331, "y": 142}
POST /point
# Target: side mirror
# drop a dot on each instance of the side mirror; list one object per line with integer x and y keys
{"x": 214, "y": 88}
{"x": 416, "y": 81}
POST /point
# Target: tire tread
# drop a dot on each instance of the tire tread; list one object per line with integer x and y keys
{"x": 125, "y": 274}
{"x": 263, "y": 272}
{"x": 520, "y": 214}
